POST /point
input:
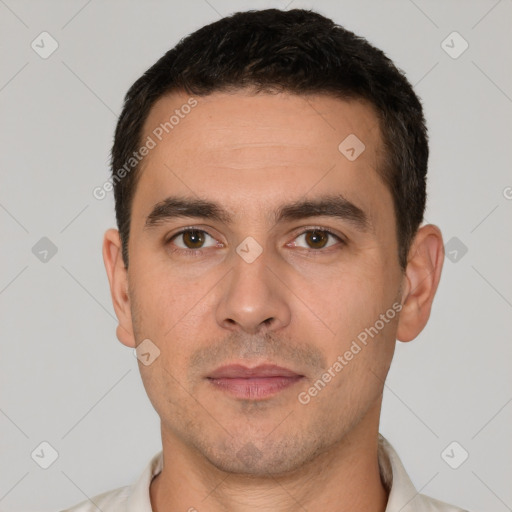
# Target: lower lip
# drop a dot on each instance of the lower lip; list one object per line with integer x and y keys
{"x": 254, "y": 388}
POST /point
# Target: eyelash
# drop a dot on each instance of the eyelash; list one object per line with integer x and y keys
{"x": 198, "y": 252}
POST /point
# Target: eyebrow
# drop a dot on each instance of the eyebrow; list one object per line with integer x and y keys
{"x": 335, "y": 206}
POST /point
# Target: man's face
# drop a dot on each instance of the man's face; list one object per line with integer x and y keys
{"x": 263, "y": 287}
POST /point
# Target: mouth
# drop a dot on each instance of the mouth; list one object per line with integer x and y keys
{"x": 255, "y": 383}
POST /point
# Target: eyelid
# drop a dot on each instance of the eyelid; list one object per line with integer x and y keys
{"x": 301, "y": 231}
{"x": 336, "y": 234}
{"x": 185, "y": 229}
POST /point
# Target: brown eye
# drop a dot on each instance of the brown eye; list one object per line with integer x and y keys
{"x": 193, "y": 239}
{"x": 316, "y": 239}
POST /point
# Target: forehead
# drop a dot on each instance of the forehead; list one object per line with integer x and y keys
{"x": 222, "y": 120}
{"x": 252, "y": 151}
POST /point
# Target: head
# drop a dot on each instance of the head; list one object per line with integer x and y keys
{"x": 273, "y": 217}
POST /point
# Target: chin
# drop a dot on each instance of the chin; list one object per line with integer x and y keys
{"x": 257, "y": 459}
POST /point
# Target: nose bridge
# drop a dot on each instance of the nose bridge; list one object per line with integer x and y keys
{"x": 253, "y": 296}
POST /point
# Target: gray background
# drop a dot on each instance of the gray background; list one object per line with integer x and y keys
{"x": 66, "y": 380}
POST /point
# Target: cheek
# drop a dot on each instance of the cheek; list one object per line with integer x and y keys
{"x": 161, "y": 295}
{"x": 363, "y": 315}
{"x": 355, "y": 301}
{"x": 174, "y": 314}
{"x": 360, "y": 362}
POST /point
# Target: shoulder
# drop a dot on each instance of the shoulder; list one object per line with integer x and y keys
{"x": 427, "y": 504}
{"x": 130, "y": 498}
{"x": 403, "y": 496}
{"x": 110, "y": 501}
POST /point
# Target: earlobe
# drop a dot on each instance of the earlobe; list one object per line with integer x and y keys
{"x": 118, "y": 279}
{"x": 421, "y": 279}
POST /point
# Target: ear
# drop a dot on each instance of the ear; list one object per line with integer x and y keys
{"x": 422, "y": 275}
{"x": 118, "y": 278}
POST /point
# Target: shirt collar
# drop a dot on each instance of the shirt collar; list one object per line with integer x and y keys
{"x": 402, "y": 495}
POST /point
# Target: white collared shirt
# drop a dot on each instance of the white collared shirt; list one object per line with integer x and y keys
{"x": 402, "y": 497}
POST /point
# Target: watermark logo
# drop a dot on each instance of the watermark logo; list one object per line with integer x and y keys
{"x": 351, "y": 147}
{"x": 249, "y": 250}
{"x": 44, "y": 455}
{"x": 44, "y": 45}
{"x": 249, "y": 454}
{"x": 44, "y": 250}
{"x": 454, "y": 455}
{"x": 454, "y": 45}
{"x": 455, "y": 250}
{"x": 146, "y": 352}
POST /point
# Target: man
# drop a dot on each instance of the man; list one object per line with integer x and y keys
{"x": 269, "y": 177}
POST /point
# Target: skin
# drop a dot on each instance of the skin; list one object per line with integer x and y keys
{"x": 296, "y": 305}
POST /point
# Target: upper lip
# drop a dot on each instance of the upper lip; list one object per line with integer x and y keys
{"x": 233, "y": 371}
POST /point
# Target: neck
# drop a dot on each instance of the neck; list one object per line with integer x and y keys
{"x": 344, "y": 478}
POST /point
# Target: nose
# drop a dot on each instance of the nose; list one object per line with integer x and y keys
{"x": 254, "y": 297}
